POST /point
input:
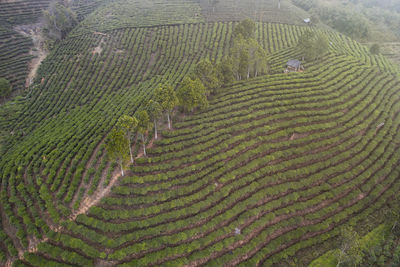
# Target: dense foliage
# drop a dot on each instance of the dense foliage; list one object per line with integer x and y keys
{"x": 14, "y": 57}
{"x": 362, "y": 19}
{"x": 59, "y": 20}
{"x": 5, "y": 88}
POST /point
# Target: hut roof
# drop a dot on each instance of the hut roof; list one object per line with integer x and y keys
{"x": 293, "y": 63}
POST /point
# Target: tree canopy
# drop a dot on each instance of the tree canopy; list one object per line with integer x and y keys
{"x": 117, "y": 147}
{"x": 208, "y": 75}
{"x": 143, "y": 125}
{"x": 59, "y": 20}
{"x": 155, "y": 112}
{"x": 245, "y": 28}
{"x": 374, "y": 49}
{"x": 127, "y": 125}
{"x": 166, "y": 97}
{"x": 191, "y": 94}
{"x": 350, "y": 251}
{"x": 5, "y": 88}
{"x": 248, "y": 58}
{"x": 313, "y": 45}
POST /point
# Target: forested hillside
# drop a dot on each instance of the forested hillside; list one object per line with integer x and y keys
{"x": 269, "y": 172}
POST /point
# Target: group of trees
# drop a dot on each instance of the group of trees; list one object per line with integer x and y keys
{"x": 130, "y": 128}
{"x": 360, "y": 19}
{"x": 59, "y": 20}
{"x": 191, "y": 94}
{"x": 352, "y": 251}
{"x": 247, "y": 59}
{"x": 313, "y": 45}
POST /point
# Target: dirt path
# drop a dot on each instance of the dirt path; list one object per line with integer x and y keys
{"x": 101, "y": 192}
{"x": 38, "y": 50}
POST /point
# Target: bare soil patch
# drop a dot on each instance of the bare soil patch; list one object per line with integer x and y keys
{"x": 39, "y": 51}
{"x": 98, "y": 49}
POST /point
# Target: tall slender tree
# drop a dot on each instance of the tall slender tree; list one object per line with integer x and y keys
{"x": 143, "y": 126}
{"x": 166, "y": 97}
{"x": 260, "y": 61}
{"x": 155, "y": 112}
{"x": 248, "y": 58}
{"x": 305, "y": 43}
{"x": 225, "y": 70}
{"x": 117, "y": 148}
{"x": 191, "y": 94}
{"x": 127, "y": 125}
{"x": 208, "y": 75}
{"x": 240, "y": 57}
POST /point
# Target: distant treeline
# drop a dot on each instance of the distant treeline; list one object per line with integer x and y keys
{"x": 358, "y": 19}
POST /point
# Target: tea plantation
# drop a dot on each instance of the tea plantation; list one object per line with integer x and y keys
{"x": 275, "y": 166}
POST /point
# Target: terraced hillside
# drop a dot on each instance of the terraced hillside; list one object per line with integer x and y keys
{"x": 16, "y": 47}
{"x": 276, "y": 164}
{"x": 287, "y": 159}
{"x": 15, "y": 53}
{"x": 280, "y": 11}
{"x": 14, "y": 57}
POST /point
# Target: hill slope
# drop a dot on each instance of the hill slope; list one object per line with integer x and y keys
{"x": 284, "y": 158}
{"x": 287, "y": 159}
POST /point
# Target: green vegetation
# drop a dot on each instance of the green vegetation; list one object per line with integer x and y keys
{"x": 59, "y": 20}
{"x": 192, "y": 94}
{"x": 127, "y": 125}
{"x": 370, "y": 20}
{"x": 117, "y": 146}
{"x": 143, "y": 126}
{"x": 14, "y": 57}
{"x": 209, "y": 75}
{"x": 155, "y": 111}
{"x": 259, "y": 165}
{"x": 16, "y": 45}
{"x": 380, "y": 247}
{"x": 139, "y": 13}
{"x": 5, "y": 88}
{"x": 166, "y": 96}
{"x": 257, "y": 10}
{"x": 374, "y": 49}
{"x": 21, "y": 11}
{"x": 313, "y": 46}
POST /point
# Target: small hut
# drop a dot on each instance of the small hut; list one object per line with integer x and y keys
{"x": 294, "y": 65}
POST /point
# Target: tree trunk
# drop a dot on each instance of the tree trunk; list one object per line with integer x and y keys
{"x": 169, "y": 121}
{"x": 155, "y": 129}
{"x": 130, "y": 151}
{"x": 144, "y": 146}
{"x": 279, "y": 4}
{"x": 394, "y": 225}
{"x": 122, "y": 169}
{"x": 255, "y": 74}
{"x": 248, "y": 72}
